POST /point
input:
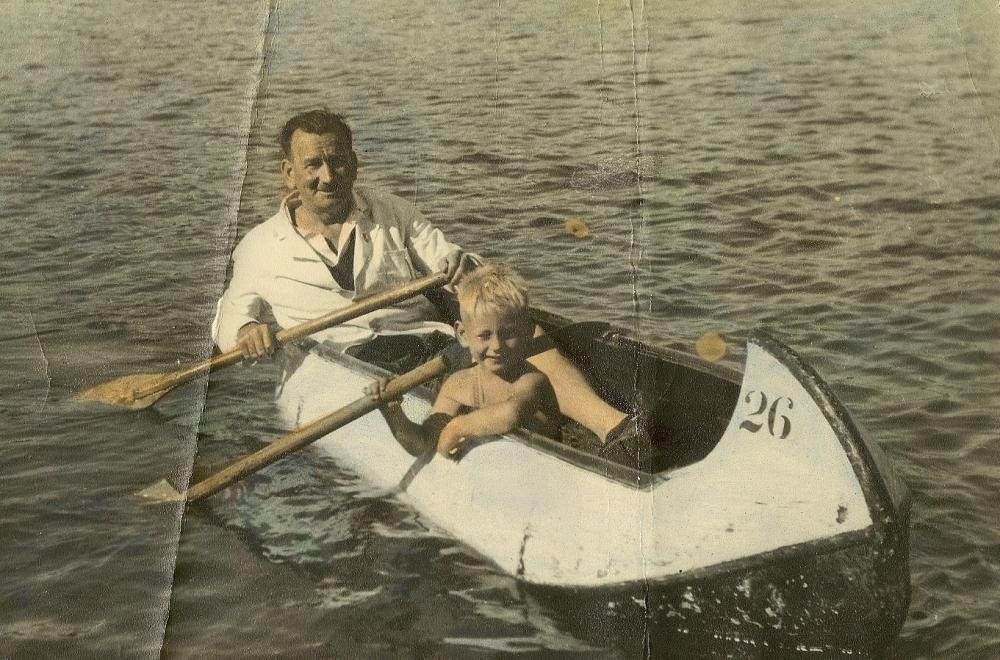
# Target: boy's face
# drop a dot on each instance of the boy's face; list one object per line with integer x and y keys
{"x": 497, "y": 341}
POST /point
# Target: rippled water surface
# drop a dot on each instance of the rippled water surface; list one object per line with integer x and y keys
{"x": 828, "y": 170}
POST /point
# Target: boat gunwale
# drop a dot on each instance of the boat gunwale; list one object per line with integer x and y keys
{"x": 856, "y": 446}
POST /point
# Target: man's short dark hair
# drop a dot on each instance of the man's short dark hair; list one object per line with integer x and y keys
{"x": 317, "y": 122}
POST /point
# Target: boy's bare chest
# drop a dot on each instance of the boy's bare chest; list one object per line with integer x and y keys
{"x": 484, "y": 390}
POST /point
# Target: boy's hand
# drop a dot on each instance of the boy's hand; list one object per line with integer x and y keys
{"x": 450, "y": 442}
{"x": 376, "y": 390}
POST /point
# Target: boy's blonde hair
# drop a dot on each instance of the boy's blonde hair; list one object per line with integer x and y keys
{"x": 495, "y": 288}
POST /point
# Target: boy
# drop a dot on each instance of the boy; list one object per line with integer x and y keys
{"x": 501, "y": 391}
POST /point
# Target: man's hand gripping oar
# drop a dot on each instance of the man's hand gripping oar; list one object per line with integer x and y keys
{"x": 139, "y": 391}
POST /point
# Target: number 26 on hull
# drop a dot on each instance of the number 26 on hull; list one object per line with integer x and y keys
{"x": 777, "y": 424}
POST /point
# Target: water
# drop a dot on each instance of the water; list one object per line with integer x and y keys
{"x": 826, "y": 170}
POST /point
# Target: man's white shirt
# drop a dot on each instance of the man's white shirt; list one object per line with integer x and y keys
{"x": 276, "y": 266}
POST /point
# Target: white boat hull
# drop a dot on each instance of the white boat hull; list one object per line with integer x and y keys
{"x": 788, "y": 522}
{"x": 550, "y": 522}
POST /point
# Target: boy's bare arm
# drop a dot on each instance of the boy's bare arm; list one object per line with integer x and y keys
{"x": 446, "y": 406}
{"x": 529, "y": 393}
{"x": 408, "y": 433}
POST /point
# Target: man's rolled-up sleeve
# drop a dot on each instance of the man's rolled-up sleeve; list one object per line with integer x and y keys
{"x": 428, "y": 244}
{"x": 240, "y": 304}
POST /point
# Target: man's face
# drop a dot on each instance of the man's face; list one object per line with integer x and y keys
{"x": 322, "y": 169}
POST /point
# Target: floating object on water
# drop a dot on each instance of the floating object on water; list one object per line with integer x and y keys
{"x": 710, "y": 346}
{"x": 577, "y": 227}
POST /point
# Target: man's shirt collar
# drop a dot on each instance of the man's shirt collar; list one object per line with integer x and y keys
{"x": 360, "y": 215}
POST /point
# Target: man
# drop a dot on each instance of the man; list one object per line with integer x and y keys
{"x": 332, "y": 241}
{"x": 329, "y": 243}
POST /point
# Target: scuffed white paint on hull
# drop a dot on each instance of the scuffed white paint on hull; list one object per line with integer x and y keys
{"x": 551, "y": 522}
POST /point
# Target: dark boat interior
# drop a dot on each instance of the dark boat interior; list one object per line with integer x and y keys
{"x": 686, "y": 401}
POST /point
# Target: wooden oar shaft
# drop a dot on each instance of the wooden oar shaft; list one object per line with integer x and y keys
{"x": 309, "y": 433}
{"x": 360, "y": 308}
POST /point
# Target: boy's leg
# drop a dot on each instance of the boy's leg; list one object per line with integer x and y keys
{"x": 577, "y": 400}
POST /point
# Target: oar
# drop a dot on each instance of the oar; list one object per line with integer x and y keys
{"x": 139, "y": 391}
{"x": 300, "y": 437}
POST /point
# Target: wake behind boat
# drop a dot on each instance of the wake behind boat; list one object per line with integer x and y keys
{"x": 768, "y": 520}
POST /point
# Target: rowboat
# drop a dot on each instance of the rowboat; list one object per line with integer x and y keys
{"x": 769, "y": 524}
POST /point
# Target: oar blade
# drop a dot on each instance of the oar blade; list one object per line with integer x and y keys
{"x": 121, "y": 392}
{"x": 124, "y": 392}
{"x": 161, "y": 492}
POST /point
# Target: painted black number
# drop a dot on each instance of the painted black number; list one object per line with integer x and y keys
{"x": 753, "y": 427}
{"x": 772, "y": 415}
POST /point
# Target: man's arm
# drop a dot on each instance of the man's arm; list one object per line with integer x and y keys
{"x": 433, "y": 251}
{"x": 236, "y": 321}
